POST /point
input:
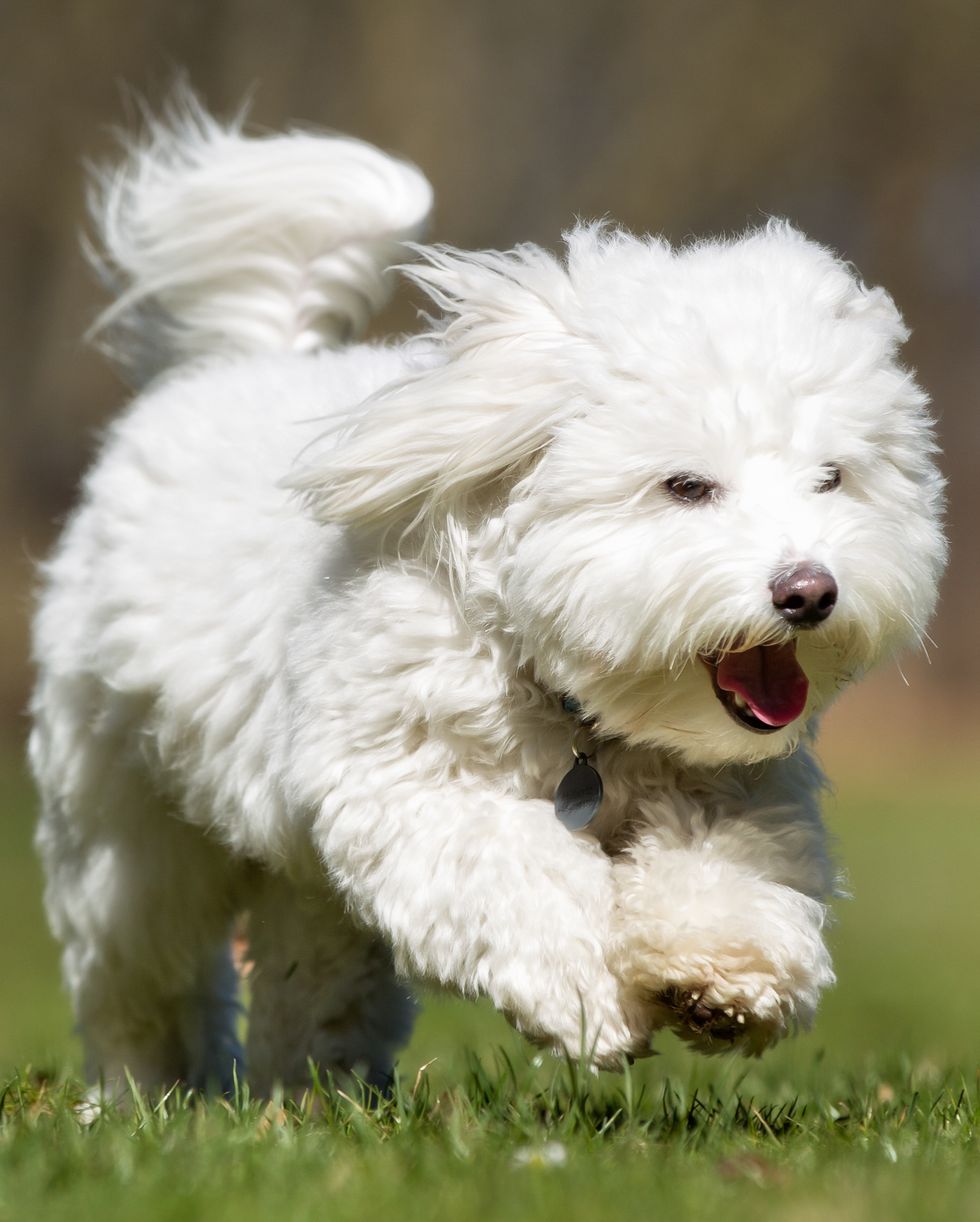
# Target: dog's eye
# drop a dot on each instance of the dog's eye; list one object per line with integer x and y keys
{"x": 690, "y": 488}
{"x": 831, "y": 482}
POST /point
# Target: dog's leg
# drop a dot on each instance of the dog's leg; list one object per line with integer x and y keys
{"x": 323, "y": 990}
{"x": 142, "y": 904}
{"x": 720, "y": 921}
{"x": 490, "y": 896}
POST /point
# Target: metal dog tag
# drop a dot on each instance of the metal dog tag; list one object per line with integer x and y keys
{"x": 579, "y": 795}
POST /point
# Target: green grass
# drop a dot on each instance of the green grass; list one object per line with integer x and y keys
{"x": 873, "y": 1115}
{"x": 508, "y": 1141}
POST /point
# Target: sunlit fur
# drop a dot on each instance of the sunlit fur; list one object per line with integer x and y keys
{"x": 302, "y": 648}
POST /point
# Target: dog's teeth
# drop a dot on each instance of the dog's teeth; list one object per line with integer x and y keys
{"x": 740, "y": 1018}
{"x": 729, "y": 1011}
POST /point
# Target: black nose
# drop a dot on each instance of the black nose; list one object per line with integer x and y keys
{"x": 806, "y": 596}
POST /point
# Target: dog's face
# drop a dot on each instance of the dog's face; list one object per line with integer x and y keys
{"x": 746, "y": 517}
{"x": 719, "y": 500}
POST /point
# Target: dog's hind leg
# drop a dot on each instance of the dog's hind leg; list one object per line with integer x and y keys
{"x": 323, "y": 991}
{"x": 142, "y": 904}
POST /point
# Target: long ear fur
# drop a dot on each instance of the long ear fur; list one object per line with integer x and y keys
{"x": 500, "y": 380}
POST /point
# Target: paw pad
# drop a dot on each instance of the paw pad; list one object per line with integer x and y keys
{"x": 692, "y": 1016}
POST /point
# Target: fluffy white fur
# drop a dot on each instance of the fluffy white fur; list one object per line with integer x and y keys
{"x": 302, "y": 647}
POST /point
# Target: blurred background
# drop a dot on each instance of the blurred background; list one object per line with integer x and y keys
{"x": 859, "y": 120}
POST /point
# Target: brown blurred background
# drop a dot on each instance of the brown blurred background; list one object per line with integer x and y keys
{"x": 860, "y": 121}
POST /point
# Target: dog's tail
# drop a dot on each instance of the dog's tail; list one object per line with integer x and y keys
{"x": 218, "y": 242}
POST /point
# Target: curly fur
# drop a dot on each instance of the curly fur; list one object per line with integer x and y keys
{"x": 302, "y": 647}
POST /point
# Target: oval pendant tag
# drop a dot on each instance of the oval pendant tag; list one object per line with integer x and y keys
{"x": 579, "y": 795}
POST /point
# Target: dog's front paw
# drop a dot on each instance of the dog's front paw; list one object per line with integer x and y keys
{"x": 577, "y": 1009}
{"x": 605, "y": 1029}
{"x": 712, "y": 1025}
{"x": 721, "y": 956}
{"x": 721, "y": 995}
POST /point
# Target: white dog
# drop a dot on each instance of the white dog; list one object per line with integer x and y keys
{"x": 332, "y": 623}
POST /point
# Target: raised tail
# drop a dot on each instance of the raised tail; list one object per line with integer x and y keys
{"x": 215, "y": 241}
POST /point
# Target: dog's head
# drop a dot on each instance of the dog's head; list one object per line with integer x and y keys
{"x": 696, "y": 486}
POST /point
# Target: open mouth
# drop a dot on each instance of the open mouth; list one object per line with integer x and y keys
{"x": 763, "y": 688}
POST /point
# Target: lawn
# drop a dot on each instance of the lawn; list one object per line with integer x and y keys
{"x": 873, "y": 1115}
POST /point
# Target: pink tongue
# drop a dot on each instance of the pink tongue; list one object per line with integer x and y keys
{"x": 769, "y": 679}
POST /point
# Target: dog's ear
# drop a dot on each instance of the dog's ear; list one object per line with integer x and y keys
{"x": 494, "y": 379}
